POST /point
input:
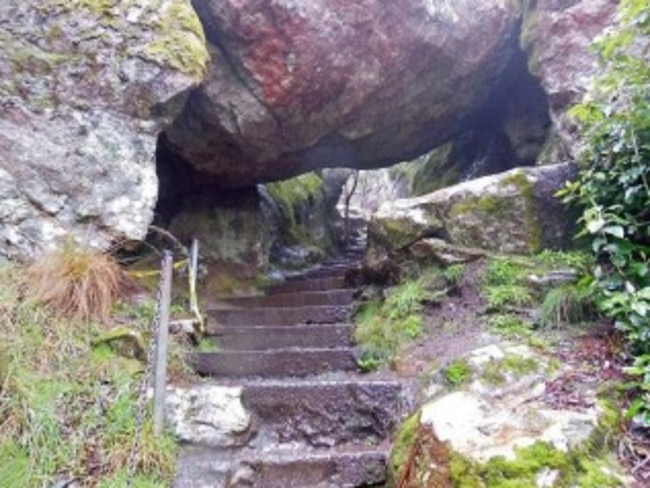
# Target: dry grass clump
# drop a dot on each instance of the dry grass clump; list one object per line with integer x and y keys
{"x": 77, "y": 282}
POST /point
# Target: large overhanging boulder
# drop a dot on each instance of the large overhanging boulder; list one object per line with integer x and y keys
{"x": 85, "y": 87}
{"x": 299, "y": 85}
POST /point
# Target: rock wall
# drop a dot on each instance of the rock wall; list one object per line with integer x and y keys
{"x": 557, "y": 36}
{"x": 85, "y": 87}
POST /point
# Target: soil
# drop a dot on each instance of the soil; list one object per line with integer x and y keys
{"x": 451, "y": 329}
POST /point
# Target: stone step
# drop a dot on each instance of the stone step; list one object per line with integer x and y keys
{"x": 326, "y": 272}
{"x": 280, "y": 315}
{"x": 322, "y": 413}
{"x": 279, "y": 363}
{"x": 281, "y": 337}
{"x": 316, "y": 284}
{"x": 354, "y": 466}
{"x": 343, "y": 296}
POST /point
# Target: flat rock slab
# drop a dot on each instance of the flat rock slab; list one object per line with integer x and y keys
{"x": 353, "y": 466}
{"x": 281, "y": 337}
{"x": 323, "y": 414}
{"x": 309, "y": 298}
{"x": 502, "y": 408}
{"x": 280, "y": 315}
{"x": 275, "y": 363}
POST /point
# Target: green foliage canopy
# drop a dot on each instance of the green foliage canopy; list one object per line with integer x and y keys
{"x": 613, "y": 188}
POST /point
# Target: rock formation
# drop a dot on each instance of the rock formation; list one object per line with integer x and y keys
{"x": 294, "y": 87}
{"x": 512, "y": 212}
{"x": 558, "y": 36}
{"x": 85, "y": 87}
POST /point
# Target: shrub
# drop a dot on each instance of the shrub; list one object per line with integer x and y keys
{"x": 612, "y": 188}
{"x": 76, "y": 282}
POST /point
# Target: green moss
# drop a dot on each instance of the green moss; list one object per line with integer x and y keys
{"x": 404, "y": 439}
{"x": 464, "y": 473}
{"x": 575, "y": 469}
{"x": 101, "y": 8}
{"x": 490, "y": 205}
{"x": 293, "y": 194}
{"x": 496, "y": 372}
{"x": 531, "y": 210}
{"x": 180, "y": 41}
{"x": 458, "y": 373}
{"x": 293, "y": 197}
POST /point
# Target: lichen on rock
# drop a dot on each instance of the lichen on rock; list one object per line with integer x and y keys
{"x": 512, "y": 212}
{"x": 81, "y": 110}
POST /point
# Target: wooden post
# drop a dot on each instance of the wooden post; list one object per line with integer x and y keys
{"x": 162, "y": 339}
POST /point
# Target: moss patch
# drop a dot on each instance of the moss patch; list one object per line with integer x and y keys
{"x": 458, "y": 373}
{"x": 531, "y": 210}
{"x": 180, "y": 42}
{"x": 573, "y": 468}
{"x": 497, "y": 371}
{"x": 404, "y": 439}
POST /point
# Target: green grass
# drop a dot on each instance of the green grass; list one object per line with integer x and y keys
{"x": 382, "y": 328}
{"x": 568, "y": 304}
{"x": 68, "y": 409}
{"x": 510, "y": 326}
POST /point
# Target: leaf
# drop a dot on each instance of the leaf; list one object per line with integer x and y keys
{"x": 615, "y": 230}
{"x": 593, "y": 226}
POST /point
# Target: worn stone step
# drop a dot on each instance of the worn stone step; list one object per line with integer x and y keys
{"x": 314, "y": 284}
{"x": 326, "y": 272}
{"x": 322, "y": 413}
{"x": 280, "y": 315}
{"x": 275, "y": 363}
{"x": 354, "y": 466}
{"x": 343, "y": 296}
{"x": 281, "y": 337}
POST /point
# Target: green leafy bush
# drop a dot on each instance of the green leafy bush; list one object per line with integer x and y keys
{"x": 613, "y": 188}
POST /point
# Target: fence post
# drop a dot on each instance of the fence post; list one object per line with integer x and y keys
{"x": 162, "y": 339}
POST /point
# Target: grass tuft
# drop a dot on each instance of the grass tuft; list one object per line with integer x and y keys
{"x": 68, "y": 409}
{"x": 76, "y": 282}
{"x": 568, "y": 304}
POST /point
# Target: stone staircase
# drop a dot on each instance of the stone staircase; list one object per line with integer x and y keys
{"x": 318, "y": 423}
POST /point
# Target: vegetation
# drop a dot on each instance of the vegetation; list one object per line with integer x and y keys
{"x": 510, "y": 326}
{"x": 69, "y": 403}
{"x": 81, "y": 283}
{"x": 458, "y": 373}
{"x": 613, "y": 188}
{"x": 405, "y": 438}
{"x": 497, "y": 371}
{"x": 384, "y": 327}
{"x": 568, "y": 304}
